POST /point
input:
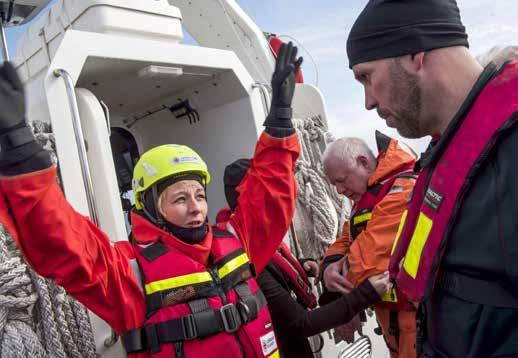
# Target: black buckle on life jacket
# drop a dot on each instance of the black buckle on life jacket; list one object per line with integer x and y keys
{"x": 189, "y": 327}
{"x": 248, "y": 310}
{"x": 230, "y": 317}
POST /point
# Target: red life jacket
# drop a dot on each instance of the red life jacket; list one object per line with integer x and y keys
{"x": 291, "y": 270}
{"x": 295, "y": 276}
{"x": 362, "y": 214}
{"x": 441, "y": 188}
{"x": 199, "y": 311}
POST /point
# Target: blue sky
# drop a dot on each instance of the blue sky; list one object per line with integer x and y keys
{"x": 322, "y": 27}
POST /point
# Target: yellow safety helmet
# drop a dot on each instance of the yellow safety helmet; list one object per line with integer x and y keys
{"x": 163, "y": 162}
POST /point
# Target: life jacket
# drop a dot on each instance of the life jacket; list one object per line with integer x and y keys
{"x": 295, "y": 276}
{"x": 199, "y": 311}
{"x": 362, "y": 214}
{"x": 292, "y": 272}
{"x": 441, "y": 188}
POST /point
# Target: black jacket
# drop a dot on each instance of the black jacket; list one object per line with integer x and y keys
{"x": 293, "y": 323}
{"x": 468, "y": 319}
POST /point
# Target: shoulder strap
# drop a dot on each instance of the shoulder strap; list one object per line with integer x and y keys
{"x": 218, "y": 232}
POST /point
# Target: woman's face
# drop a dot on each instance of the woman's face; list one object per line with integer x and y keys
{"x": 184, "y": 204}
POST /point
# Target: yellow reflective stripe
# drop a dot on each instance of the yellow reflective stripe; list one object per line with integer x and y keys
{"x": 415, "y": 249}
{"x": 399, "y": 230}
{"x": 274, "y": 354}
{"x": 390, "y": 296}
{"x": 178, "y": 281}
{"x": 361, "y": 218}
{"x": 233, "y": 265}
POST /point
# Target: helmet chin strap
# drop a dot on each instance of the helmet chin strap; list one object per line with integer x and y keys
{"x": 156, "y": 218}
{"x": 160, "y": 219}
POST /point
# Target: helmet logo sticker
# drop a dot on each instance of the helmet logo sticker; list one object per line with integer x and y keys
{"x": 185, "y": 159}
{"x": 150, "y": 170}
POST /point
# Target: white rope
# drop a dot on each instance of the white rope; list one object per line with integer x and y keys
{"x": 320, "y": 210}
{"x": 37, "y": 318}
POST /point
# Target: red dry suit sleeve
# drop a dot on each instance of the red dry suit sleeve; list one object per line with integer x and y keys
{"x": 61, "y": 244}
{"x": 266, "y": 202}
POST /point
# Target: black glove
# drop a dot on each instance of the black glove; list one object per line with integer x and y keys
{"x": 283, "y": 87}
{"x": 17, "y": 143}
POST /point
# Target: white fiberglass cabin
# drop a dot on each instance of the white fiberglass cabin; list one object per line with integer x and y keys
{"x": 113, "y": 79}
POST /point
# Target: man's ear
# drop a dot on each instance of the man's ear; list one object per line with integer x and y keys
{"x": 362, "y": 161}
{"x": 417, "y": 61}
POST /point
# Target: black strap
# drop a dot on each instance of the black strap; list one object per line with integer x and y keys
{"x": 420, "y": 324}
{"x": 199, "y": 305}
{"x": 394, "y": 325}
{"x": 16, "y": 138}
{"x": 249, "y": 307}
{"x": 218, "y": 233}
{"x": 492, "y": 293}
{"x": 204, "y": 323}
{"x": 154, "y": 251}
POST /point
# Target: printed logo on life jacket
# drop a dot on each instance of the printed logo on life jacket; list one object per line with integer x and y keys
{"x": 433, "y": 199}
{"x": 268, "y": 343}
{"x": 180, "y": 295}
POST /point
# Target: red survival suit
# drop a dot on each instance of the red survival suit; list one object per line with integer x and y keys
{"x": 102, "y": 276}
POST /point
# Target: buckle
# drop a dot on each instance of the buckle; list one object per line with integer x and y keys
{"x": 244, "y": 311}
{"x": 152, "y": 340}
{"x": 189, "y": 327}
{"x": 232, "y": 322}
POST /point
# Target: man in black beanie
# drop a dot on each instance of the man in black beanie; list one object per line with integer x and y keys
{"x": 457, "y": 247}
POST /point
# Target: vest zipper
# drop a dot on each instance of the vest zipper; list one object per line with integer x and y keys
{"x": 221, "y": 293}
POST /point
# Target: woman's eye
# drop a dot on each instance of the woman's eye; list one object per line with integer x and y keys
{"x": 200, "y": 197}
{"x": 179, "y": 200}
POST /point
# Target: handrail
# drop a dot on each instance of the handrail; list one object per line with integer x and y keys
{"x": 3, "y": 39}
{"x": 263, "y": 88}
{"x": 106, "y": 111}
{"x": 81, "y": 147}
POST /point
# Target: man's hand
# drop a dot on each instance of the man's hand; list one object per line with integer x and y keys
{"x": 12, "y": 100}
{"x": 381, "y": 283}
{"x": 311, "y": 268}
{"x": 334, "y": 278}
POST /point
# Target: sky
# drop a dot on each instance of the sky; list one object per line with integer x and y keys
{"x": 321, "y": 28}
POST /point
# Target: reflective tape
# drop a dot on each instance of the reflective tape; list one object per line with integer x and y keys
{"x": 362, "y": 218}
{"x": 233, "y": 265}
{"x": 415, "y": 249}
{"x": 399, "y": 230}
{"x": 178, "y": 281}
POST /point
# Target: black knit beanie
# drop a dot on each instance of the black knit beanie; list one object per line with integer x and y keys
{"x": 392, "y": 28}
